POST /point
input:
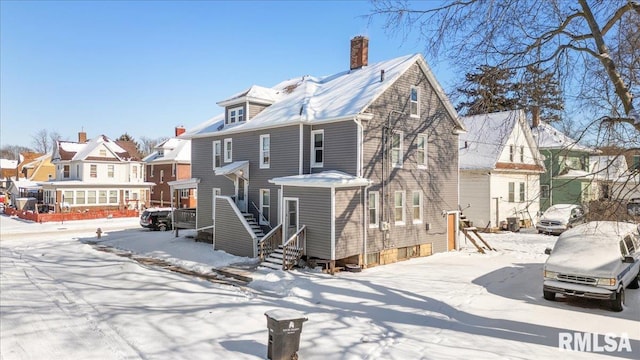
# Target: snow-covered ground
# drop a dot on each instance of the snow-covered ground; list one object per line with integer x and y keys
{"x": 60, "y": 298}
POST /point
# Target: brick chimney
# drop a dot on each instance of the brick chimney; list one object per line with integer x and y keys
{"x": 359, "y": 52}
{"x": 180, "y": 130}
{"x": 535, "y": 116}
{"x": 82, "y": 137}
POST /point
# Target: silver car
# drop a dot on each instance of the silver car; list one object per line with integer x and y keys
{"x": 560, "y": 217}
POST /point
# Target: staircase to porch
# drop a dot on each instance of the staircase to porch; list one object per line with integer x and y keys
{"x": 255, "y": 227}
{"x": 278, "y": 256}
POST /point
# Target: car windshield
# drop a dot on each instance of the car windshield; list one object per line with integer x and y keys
{"x": 558, "y": 212}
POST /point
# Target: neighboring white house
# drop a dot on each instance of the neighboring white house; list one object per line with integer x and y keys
{"x": 500, "y": 168}
{"x": 615, "y": 180}
{"x": 96, "y": 174}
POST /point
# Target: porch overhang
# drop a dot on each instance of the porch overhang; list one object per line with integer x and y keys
{"x": 238, "y": 168}
{"x": 184, "y": 184}
{"x": 325, "y": 179}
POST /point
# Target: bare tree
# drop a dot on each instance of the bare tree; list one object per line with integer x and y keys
{"x": 591, "y": 45}
{"x": 43, "y": 141}
{"x": 147, "y": 144}
{"x": 12, "y": 152}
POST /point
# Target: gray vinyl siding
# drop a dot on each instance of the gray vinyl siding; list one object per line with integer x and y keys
{"x": 349, "y": 222}
{"x": 255, "y": 109}
{"x": 231, "y": 235}
{"x": 340, "y": 147}
{"x": 315, "y": 212}
{"x": 285, "y": 156}
{"x": 439, "y": 182}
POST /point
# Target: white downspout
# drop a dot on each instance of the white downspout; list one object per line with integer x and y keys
{"x": 359, "y": 147}
{"x": 301, "y": 151}
{"x": 333, "y": 223}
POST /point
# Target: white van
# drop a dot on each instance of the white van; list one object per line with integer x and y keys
{"x": 596, "y": 260}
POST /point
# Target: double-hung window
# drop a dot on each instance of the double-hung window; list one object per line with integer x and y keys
{"x": 217, "y": 154}
{"x": 228, "y": 150}
{"x": 173, "y": 170}
{"x": 522, "y": 153}
{"x": 93, "y": 171}
{"x": 317, "y": 148}
{"x": 522, "y": 192}
{"x": 110, "y": 171}
{"x": 414, "y": 102}
{"x": 151, "y": 170}
{"x": 398, "y": 213}
{"x": 265, "y": 151}
{"x": 421, "y": 152}
{"x": 65, "y": 171}
{"x": 235, "y": 115}
{"x": 161, "y": 176}
{"x": 265, "y": 206}
{"x": 417, "y": 207}
{"x": 512, "y": 153}
{"x": 374, "y": 200}
{"x": 512, "y": 192}
{"x": 396, "y": 149}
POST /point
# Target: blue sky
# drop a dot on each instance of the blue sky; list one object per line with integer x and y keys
{"x": 144, "y": 67}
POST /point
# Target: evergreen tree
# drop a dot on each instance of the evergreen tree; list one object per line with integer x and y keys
{"x": 541, "y": 89}
{"x": 489, "y": 90}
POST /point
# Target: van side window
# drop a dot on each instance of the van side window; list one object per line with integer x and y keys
{"x": 623, "y": 249}
{"x": 629, "y": 242}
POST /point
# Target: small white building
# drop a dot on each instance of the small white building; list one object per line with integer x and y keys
{"x": 500, "y": 168}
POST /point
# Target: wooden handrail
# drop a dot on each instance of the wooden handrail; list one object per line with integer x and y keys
{"x": 294, "y": 248}
{"x": 270, "y": 242}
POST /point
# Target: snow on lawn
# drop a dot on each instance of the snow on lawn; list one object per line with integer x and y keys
{"x": 62, "y": 299}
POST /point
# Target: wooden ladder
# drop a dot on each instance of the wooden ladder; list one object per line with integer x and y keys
{"x": 473, "y": 229}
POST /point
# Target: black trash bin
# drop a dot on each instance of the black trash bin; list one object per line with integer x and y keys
{"x": 285, "y": 327}
{"x": 513, "y": 224}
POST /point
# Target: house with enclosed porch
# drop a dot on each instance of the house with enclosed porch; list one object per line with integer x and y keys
{"x": 359, "y": 167}
{"x": 500, "y": 168}
{"x": 170, "y": 161}
{"x": 97, "y": 174}
{"x": 567, "y": 178}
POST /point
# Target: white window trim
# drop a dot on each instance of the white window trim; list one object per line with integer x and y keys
{"x": 404, "y": 202}
{"x": 216, "y": 153}
{"x": 417, "y": 115}
{"x": 263, "y": 164}
{"x": 214, "y": 192}
{"x": 262, "y": 192}
{"x": 426, "y": 153}
{"x": 376, "y": 223}
{"x": 228, "y": 157}
{"x": 400, "y": 153}
{"x": 313, "y": 162}
{"x": 161, "y": 176}
{"x": 420, "y": 205}
{"x": 228, "y": 120}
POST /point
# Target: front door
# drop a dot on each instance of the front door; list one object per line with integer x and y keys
{"x": 242, "y": 187}
{"x": 290, "y": 218}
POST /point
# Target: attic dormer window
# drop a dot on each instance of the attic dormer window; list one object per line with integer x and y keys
{"x": 103, "y": 152}
{"x": 235, "y": 115}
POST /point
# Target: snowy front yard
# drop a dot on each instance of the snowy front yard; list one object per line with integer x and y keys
{"x": 62, "y": 299}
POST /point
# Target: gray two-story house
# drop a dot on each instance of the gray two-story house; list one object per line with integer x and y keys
{"x": 360, "y": 167}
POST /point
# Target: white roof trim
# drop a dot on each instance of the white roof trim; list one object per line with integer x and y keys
{"x": 325, "y": 179}
{"x": 233, "y": 167}
{"x": 184, "y": 183}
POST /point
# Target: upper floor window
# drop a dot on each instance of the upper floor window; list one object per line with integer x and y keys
{"x": 65, "y": 171}
{"x": 414, "y": 101}
{"x": 265, "y": 151}
{"x": 512, "y": 153}
{"x": 396, "y": 149}
{"x": 235, "y": 115}
{"x": 151, "y": 170}
{"x": 317, "y": 148}
{"x": 522, "y": 192}
{"x": 228, "y": 148}
{"x": 93, "y": 171}
{"x": 110, "y": 170}
{"x": 103, "y": 152}
{"x": 217, "y": 154}
{"x": 134, "y": 171}
{"x": 161, "y": 176}
{"x": 522, "y": 153}
{"x": 173, "y": 170}
{"x": 422, "y": 151}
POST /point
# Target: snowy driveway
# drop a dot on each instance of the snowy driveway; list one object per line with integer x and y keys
{"x": 62, "y": 299}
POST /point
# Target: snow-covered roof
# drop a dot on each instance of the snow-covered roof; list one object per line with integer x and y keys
{"x": 255, "y": 93}
{"x": 25, "y": 184}
{"x": 80, "y": 151}
{"x": 35, "y": 162}
{"x": 173, "y": 150}
{"x": 486, "y": 137}
{"x": 610, "y": 167}
{"x": 8, "y": 164}
{"x": 341, "y": 96}
{"x": 547, "y": 137}
{"x": 233, "y": 167}
{"x": 576, "y": 175}
{"x": 325, "y": 179}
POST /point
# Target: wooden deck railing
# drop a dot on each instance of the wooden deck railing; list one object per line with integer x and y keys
{"x": 294, "y": 248}
{"x": 270, "y": 242}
